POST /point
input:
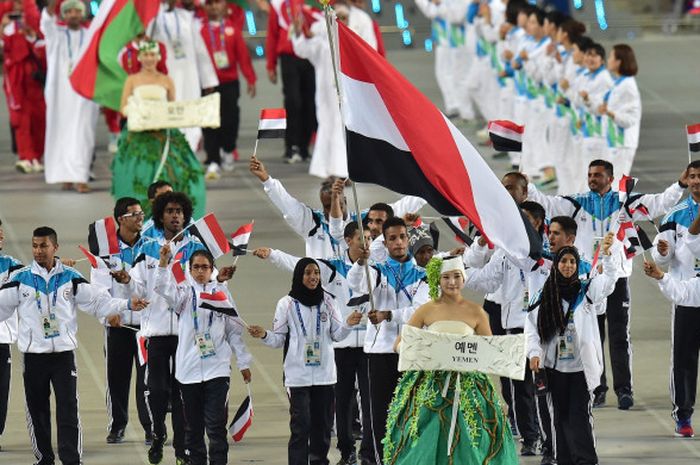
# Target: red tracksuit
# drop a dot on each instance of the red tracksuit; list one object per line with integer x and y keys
{"x": 228, "y": 53}
{"x": 24, "y": 66}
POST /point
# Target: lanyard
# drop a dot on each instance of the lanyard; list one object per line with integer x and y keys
{"x": 691, "y": 209}
{"x": 37, "y": 294}
{"x": 70, "y": 47}
{"x": 194, "y": 313}
{"x": 301, "y": 320}
{"x": 401, "y": 286}
{"x": 222, "y": 40}
{"x": 177, "y": 27}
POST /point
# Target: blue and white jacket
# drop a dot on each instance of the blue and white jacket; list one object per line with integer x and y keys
{"x": 159, "y": 318}
{"x": 101, "y": 276}
{"x": 680, "y": 258}
{"x": 595, "y": 213}
{"x": 398, "y": 287}
{"x": 8, "y": 328}
{"x": 334, "y": 272}
{"x": 34, "y": 293}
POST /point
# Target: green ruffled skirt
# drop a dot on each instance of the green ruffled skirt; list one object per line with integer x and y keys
{"x": 418, "y": 425}
{"x": 138, "y": 157}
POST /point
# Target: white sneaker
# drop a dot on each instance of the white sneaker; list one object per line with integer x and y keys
{"x": 212, "y": 172}
{"x": 295, "y": 158}
{"x": 24, "y": 166}
{"x": 37, "y": 166}
{"x": 112, "y": 146}
{"x": 227, "y": 161}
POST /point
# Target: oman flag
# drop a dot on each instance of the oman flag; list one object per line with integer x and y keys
{"x": 98, "y": 74}
{"x": 398, "y": 139}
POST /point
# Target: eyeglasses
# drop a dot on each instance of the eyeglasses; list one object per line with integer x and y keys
{"x": 134, "y": 215}
{"x": 200, "y": 267}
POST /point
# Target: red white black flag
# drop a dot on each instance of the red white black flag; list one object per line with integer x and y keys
{"x": 398, "y": 139}
{"x": 242, "y": 419}
{"x": 102, "y": 237}
{"x": 212, "y": 236}
{"x": 273, "y": 123}
{"x": 506, "y": 136}
{"x": 693, "y": 132}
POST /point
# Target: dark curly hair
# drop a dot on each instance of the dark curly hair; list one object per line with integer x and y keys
{"x": 179, "y": 198}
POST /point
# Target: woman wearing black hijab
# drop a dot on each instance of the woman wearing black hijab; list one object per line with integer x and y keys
{"x": 563, "y": 340}
{"x": 309, "y": 318}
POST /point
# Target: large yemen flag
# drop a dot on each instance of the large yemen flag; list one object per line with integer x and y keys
{"x": 98, "y": 75}
{"x": 398, "y": 139}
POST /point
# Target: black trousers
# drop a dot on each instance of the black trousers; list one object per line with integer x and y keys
{"x": 121, "y": 349}
{"x": 494, "y": 312}
{"x": 617, "y": 315}
{"x": 573, "y": 421}
{"x": 206, "y": 408}
{"x": 684, "y": 361}
{"x": 42, "y": 372}
{"x": 299, "y": 89}
{"x": 224, "y": 137}
{"x": 164, "y": 388}
{"x": 310, "y": 423}
{"x": 5, "y": 371}
{"x": 383, "y": 377}
{"x": 523, "y": 402}
{"x": 544, "y": 410}
{"x": 351, "y": 364}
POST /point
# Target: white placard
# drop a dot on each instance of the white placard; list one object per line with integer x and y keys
{"x": 149, "y": 115}
{"x": 426, "y": 350}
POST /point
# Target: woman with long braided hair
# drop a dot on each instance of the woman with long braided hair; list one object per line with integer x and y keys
{"x": 563, "y": 340}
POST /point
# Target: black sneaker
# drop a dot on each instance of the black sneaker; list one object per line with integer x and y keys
{"x": 115, "y": 437}
{"x": 529, "y": 449}
{"x": 155, "y": 453}
{"x": 599, "y": 399}
{"x": 349, "y": 460}
{"x": 625, "y": 401}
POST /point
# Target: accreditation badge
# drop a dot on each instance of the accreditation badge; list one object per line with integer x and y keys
{"x": 205, "y": 345}
{"x": 221, "y": 59}
{"x": 596, "y": 243}
{"x": 178, "y": 49}
{"x": 312, "y": 354}
{"x": 567, "y": 344}
{"x": 50, "y": 326}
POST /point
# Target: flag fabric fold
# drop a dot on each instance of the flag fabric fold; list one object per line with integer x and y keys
{"x": 459, "y": 226}
{"x": 240, "y": 239}
{"x": 398, "y": 139}
{"x": 177, "y": 268}
{"x": 634, "y": 240}
{"x": 217, "y": 302}
{"x": 95, "y": 262}
{"x": 242, "y": 419}
{"x": 208, "y": 230}
{"x": 693, "y": 133}
{"x": 506, "y": 136}
{"x": 273, "y": 123}
{"x": 98, "y": 75}
{"x": 102, "y": 237}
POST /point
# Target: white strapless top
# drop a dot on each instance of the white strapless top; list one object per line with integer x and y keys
{"x": 451, "y": 327}
{"x": 151, "y": 92}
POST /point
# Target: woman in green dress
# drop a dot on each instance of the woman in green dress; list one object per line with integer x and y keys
{"x": 421, "y": 427}
{"x": 147, "y": 156}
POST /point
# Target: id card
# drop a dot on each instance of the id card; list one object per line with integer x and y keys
{"x": 596, "y": 243}
{"x": 50, "y": 326}
{"x": 205, "y": 345}
{"x": 566, "y": 344}
{"x": 526, "y": 300}
{"x": 178, "y": 49}
{"x": 696, "y": 266}
{"x": 221, "y": 59}
{"x": 312, "y": 354}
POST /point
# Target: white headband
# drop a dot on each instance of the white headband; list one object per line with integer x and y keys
{"x": 452, "y": 264}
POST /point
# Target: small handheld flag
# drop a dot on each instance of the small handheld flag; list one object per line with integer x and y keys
{"x": 625, "y": 188}
{"x": 240, "y": 239}
{"x": 273, "y": 123}
{"x": 212, "y": 236}
{"x": 142, "y": 349}
{"x": 506, "y": 136}
{"x": 102, "y": 237}
{"x": 94, "y": 261}
{"x": 177, "y": 268}
{"x": 242, "y": 419}
{"x": 217, "y": 302}
{"x": 693, "y": 132}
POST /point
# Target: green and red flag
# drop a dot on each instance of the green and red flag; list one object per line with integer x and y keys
{"x": 98, "y": 75}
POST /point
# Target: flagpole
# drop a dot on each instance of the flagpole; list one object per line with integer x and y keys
{"x": 690, "y": 160}
{"x": 255, "y": 150}
{"x": 326, "y": 12}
